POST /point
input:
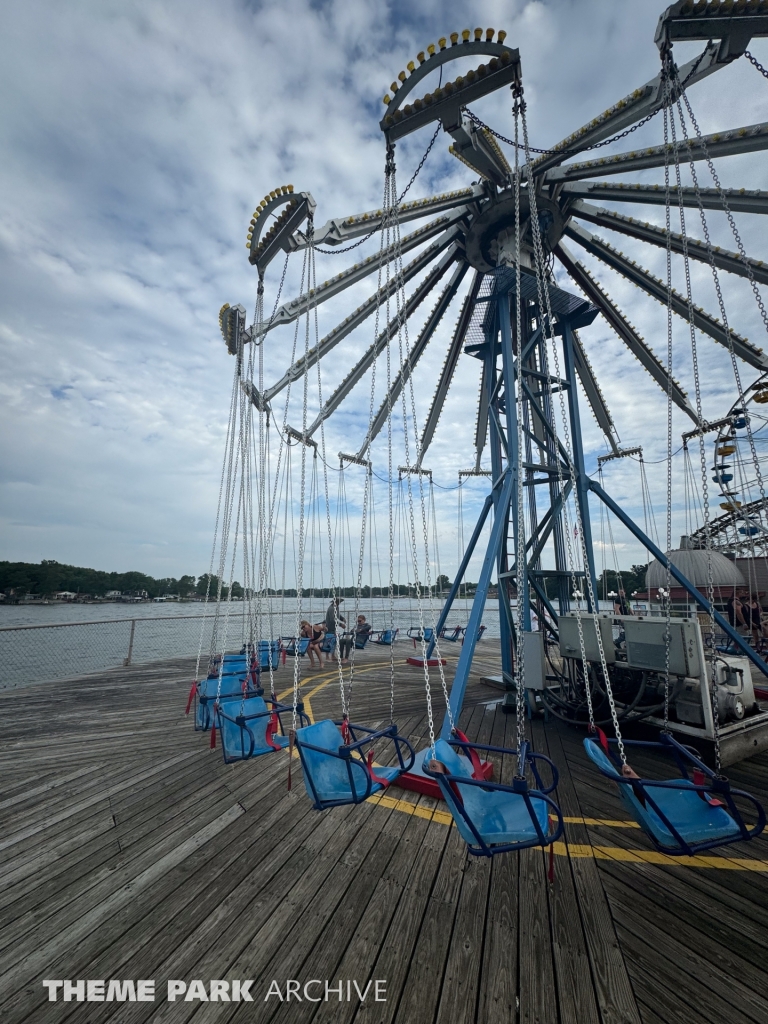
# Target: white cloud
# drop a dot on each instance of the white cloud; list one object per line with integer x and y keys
{"x": 137, "y": 139}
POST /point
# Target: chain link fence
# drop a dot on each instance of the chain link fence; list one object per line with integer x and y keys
{"x": 31, "y": 654}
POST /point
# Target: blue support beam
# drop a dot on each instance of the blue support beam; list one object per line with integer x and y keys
{"x": 459, "y": 685}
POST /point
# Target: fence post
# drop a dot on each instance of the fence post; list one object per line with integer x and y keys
{"x": 127, "y": 661}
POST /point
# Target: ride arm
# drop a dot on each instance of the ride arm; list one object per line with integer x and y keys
{"x": 697, "y": 250}
{"x": 450, "y": 364}
{"x": 355, "y": 318}
{"x": 657, "y": 288}
{"x": 594, "y": 395}
{"x": 748, "y": 139}
{"x": 639, "y": 104}
{"x": 739, "y": 200}
{"x": 295, "y": 308}
{"x": 636, "y": 345}
{"x": 342, "y": 229}
{"x": 416, "y": 352}
{"x": 359, "y": 369}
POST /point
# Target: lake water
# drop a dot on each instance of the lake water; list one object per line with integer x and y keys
{"x": 59, "y": 640}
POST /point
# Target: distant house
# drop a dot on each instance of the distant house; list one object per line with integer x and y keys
{"x": 113, "y": 595}
{"x": 65, "y": 595}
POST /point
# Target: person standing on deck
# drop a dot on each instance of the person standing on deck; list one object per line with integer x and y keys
{"x": 333, "y": 616}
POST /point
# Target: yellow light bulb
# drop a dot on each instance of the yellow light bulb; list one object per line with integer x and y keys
{"x": 290, "y": 188}
{"x": 478, "y": 34}
{"x": 411, "y": 66}
{"x": 387, "y": 100}
{"x": 431, "y": 49}
{"x": 394, "y": 87}
{"x": 401, "y": 76}
{"x": 501, "y": 36}
{"x": 454, "y": 38}
{"x": 465, "y": 35}
{"x": 442, "y": 42}
{"x": 421, "y": 57}
{"x": 489, "y": 35}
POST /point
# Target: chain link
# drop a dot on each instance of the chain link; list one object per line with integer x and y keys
{"x": 756, "y": 63}
{"x": 668, "y": 225}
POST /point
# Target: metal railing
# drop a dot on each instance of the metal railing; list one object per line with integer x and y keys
{"x": 36, "y": 653}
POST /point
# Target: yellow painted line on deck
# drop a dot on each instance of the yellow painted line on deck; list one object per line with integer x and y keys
{"x": 431, "y": 814}
{"x": 581, "y": 851}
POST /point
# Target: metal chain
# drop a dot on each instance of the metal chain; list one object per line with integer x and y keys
{"x": 711, "y": 682}
{"x": 520, "y": 566}
{"x": 668, "y": 225}
{"x": 756, "y": 64}
{"x": 595, "y": 145}
{"x": 302, "y": 514}
{"x": 561, "y": 152}
{"x": 348, "y": 248}
{"x": 716, "y": 276}
{"x": 543, "y": 287}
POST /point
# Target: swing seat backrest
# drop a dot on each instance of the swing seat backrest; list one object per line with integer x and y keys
{"x": 328, "y": 645}
{"x": 241, "y": 739}
{"x": 332, "y": 779}
{"x": 695, "y": 820}
{"x": 290, "y": 647}
{"x": 387, "y": 636}
{"x": 269, "y": 650}
{"x": 361, "y": 640}
{"x": 207, "y": 690}
{"x": 490, "y": 817}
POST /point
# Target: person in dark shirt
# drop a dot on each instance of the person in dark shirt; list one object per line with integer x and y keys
{"x": 333, "y": 616}
{"x": 362, "y": 630}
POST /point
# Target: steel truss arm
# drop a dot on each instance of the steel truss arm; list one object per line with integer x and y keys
{"x": 355, "y": 319}
{"x": 729, "y": 261}
{"x": 749, "y": 139}
{"x": 394, "y": 325}
{"x": 594, "y": 395}
{"x": 639, "y": 104}
{"x": 653, "y": 286}
{"x": 481, "y": 426}
{"x": 739, "y": 200}
{"x": 416, "y": 353}
{"x": 293, "y": 309}
{"x": 636, "y": 345}
{"x": 342, "y": 229}
{"x": 451, "y": 362}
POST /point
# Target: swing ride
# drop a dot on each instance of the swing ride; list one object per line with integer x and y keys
{"x": 492, "y": 247}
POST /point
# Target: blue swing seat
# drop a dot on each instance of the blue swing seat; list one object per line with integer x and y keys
{"x": 242, "y": 726}
{"x": 336, "y": 773}
{"x": 289, "y": 645}
{"x": 328, "y": 646}
{"x": 207, "y": 691}
{"x": 453, "y": 636}
{"x": 416, "y": 633}
{"x": 676, "y": 814}
{"x": 478, "y": 638}
{"x": 384, "y": 636}
{"x": 491, "y": 817}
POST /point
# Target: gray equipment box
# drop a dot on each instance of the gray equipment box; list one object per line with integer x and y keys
{"x": 535, "y": 670}
{"x": 646, "y": 645}
{"x": 570, "y": 647}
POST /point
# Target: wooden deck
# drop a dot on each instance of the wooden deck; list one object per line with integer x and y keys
{"x": 130, "y": 851}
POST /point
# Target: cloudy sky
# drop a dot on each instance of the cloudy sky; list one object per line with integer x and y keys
{"x": 138, "y": 137}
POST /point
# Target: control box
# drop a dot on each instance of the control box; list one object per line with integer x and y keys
{"x": 570, "y": 646}
{"x": 646, "y": 645}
